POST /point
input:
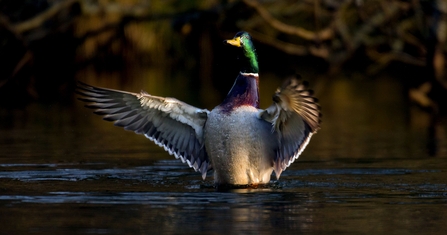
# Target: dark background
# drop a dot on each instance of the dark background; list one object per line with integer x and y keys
{"x": 377, "y": 166}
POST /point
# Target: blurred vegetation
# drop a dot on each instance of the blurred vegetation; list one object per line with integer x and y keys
{"x": 44, "y": 42}
{"x": 45, "y": 45}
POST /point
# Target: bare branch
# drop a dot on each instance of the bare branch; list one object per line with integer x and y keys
{"x": 384, "y": 59}
{"x": 290, "y": 48}
{"x": 324, "y": 34}
{"x": 38, "y": 20}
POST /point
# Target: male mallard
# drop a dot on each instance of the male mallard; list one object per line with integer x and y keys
{"x": 242, "y": 143}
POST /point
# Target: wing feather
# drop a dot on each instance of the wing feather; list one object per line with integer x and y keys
{"x": 170, "y": 123}
{"x": 295, "y": 116}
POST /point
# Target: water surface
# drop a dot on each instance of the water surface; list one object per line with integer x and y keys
{"x": 65, "y": 171}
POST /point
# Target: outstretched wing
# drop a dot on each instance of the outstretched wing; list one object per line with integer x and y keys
{"x": 295, "y": 117}
{"x": 170, "y": 123}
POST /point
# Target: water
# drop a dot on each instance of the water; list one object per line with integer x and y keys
{"x": 65, "y": 171}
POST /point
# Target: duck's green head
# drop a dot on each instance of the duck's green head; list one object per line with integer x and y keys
{"x": 250, "y": 60}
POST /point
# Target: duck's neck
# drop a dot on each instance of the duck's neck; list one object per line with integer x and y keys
{"x": 249, "y": 60}
{"x": 245, "y": 91}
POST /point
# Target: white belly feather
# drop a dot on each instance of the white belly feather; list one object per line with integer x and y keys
{"x": 239, "y": 146}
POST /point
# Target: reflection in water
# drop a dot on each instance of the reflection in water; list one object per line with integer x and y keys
{"x": 166, "y": 197}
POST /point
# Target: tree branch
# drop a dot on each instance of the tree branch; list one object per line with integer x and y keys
{"x": 38, "y": 20}
{"x": 322, "y": 35}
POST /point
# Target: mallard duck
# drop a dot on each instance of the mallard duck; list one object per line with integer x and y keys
{"x": 242, "y": 143}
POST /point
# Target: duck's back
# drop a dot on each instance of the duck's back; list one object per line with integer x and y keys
{"x": 240, "y": 146}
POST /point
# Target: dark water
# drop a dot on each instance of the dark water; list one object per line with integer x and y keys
{"x": 65, "y": 171}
